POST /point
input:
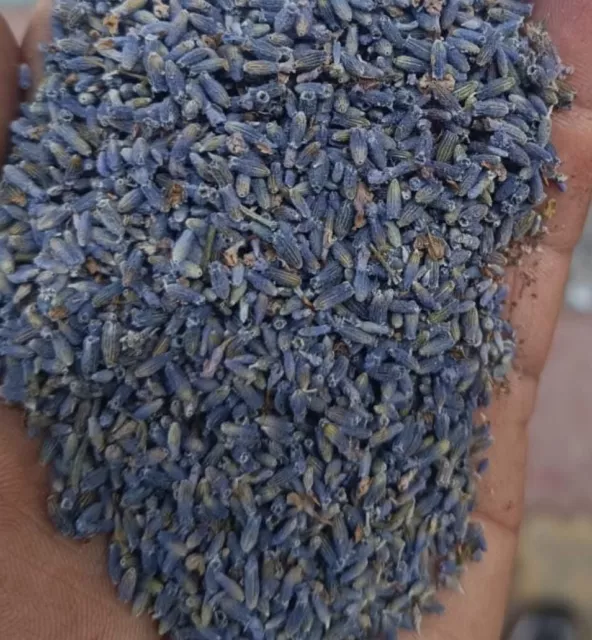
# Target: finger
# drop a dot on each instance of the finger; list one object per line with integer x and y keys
{"x": 539, "y": 283}
{"x": 39, "y": 31}
{"x": 570, "y": 25}
{"x": 536, "y": 300}
{"x": 9, "y": 61}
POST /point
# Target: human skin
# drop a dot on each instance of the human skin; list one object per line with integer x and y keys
{"x": 52, "y": 588}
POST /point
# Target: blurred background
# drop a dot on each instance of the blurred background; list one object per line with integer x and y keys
{"x": 555, "y": 558}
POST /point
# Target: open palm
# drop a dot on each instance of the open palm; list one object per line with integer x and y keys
{"x": 53, "y": 588}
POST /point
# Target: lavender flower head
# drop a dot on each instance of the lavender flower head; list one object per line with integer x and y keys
{"x": 252, "y": 259}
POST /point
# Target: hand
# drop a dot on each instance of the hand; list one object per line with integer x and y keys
{"x": 53, "y": 588}
{"x": 534, "y": 307}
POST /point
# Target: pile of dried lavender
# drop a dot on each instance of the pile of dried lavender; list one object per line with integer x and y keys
{"x": 251, "y": 258}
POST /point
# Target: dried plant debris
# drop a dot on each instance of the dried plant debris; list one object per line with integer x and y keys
{"x": 252, "y": 257}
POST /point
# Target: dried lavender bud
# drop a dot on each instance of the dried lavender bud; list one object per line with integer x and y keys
{"x": 251, "y": 259}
